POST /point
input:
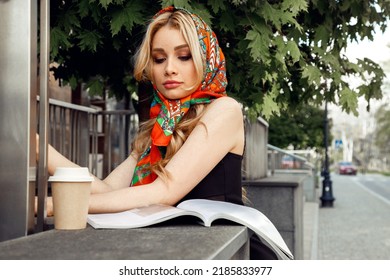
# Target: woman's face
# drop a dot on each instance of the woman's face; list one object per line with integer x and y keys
{"x": 173, "y": 69}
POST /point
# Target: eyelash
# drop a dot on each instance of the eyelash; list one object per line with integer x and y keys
{"x": 182, "y": 58}
{"x": 158, "y": 60}
{"x": 185, "y": 57}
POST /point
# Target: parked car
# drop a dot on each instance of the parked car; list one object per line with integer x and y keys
{"x": 288, "y": 162}
{"x": 347, "y": 168}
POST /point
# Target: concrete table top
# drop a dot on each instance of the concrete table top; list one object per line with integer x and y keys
{"x": 164, "y": 241}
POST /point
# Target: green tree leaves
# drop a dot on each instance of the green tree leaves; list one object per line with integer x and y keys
{"x": 348, "y": 100}
{"x": 303, "y": 128}
{"x": 258, "y": 46}
{"x": 89, "y": 40}
{"x": 280, "y": 53}
{"x": 313, "y": 74}
{"x": 58, "y": 39}
{"x": 126, "y": 17}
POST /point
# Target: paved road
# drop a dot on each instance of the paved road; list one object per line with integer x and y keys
{"x": 377, "y": 184}
{"x": 358, "y": 226}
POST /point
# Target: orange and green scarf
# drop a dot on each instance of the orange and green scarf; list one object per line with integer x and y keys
{"x": 169, "y": 112}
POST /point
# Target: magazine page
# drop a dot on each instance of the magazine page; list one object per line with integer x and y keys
{"x": 138, "y": 217}
{"x": 248, "y": 216}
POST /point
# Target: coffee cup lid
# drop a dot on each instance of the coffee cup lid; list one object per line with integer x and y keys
{"x": 71, "y": 174}
{"x": 68, "y": 179}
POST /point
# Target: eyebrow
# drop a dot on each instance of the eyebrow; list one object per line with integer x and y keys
{"x": 175, "y": 48}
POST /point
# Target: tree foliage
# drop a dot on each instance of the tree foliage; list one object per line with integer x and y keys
{"x": 301, "y": 129}
{"x": 280, "y": 53}
{"x": 94, "y": 41}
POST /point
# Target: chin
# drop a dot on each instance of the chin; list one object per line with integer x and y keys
{"x": 175, "y": 96}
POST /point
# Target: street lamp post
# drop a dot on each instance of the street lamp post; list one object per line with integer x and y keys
{"x": 327, "y": 193}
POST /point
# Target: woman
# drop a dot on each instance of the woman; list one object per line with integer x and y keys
{"x": 192, "y": 146}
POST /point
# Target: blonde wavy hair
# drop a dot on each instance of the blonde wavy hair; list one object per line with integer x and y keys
{"x": 181, "y": 21}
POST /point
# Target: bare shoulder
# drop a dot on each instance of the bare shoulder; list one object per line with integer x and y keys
{"x": 224, "y": 118}
{"x": 227, "y": 102}
{"x": 225, "y": 107}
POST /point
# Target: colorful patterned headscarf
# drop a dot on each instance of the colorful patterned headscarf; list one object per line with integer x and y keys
{"x": 169, "y": 112}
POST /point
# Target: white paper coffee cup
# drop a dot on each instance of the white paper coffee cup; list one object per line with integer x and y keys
{"x": 71, "y": 189}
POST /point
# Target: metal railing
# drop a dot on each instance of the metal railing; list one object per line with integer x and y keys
{"x": 282, "y": 159}
{"x": 91, "y": 137}
{"x": 72, "y": 131}
{"x": 120, "y": 128}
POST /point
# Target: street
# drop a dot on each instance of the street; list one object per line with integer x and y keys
{"x": 378, "y": 185}
{"x": 358, "y": 225}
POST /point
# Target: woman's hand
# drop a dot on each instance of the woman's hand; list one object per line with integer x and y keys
{"x": 49, "y": 206}
{"x": 37, "y": 147}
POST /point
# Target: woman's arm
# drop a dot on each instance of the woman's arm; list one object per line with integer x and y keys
{"x": 221, "y": 133}
{"x": 120, "y": 177}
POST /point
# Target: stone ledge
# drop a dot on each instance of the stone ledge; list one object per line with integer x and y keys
{"x": 280, "y": 197}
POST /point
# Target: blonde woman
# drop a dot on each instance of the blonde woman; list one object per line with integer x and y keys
{"x": 194, "y": 127}
{"x": 192, "y": 146}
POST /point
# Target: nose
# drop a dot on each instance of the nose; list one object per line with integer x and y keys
{"x": 170, "y": 68}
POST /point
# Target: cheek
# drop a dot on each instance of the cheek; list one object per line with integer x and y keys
{"x": 193, "y": 73}
{"x": 154, "y": 74}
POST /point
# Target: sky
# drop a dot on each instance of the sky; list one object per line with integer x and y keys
{"x": 375, "y": 50}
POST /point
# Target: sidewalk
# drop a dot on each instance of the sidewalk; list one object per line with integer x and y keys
{"x": 357, "y": 227}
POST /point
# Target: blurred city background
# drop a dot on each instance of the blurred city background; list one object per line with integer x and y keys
{"x": 364, "y": 139}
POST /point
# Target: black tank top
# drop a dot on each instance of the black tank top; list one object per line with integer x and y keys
{"x": 222, "y": 183}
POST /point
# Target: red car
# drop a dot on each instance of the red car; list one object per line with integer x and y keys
{"x": 346, "y": 167}
{"x": 288, "y": 162}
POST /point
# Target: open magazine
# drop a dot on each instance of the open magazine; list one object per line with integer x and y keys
{"x": 206, "y": 210}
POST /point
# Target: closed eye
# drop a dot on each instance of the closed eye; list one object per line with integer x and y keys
{"x": 158, "y": 60}
{"x": 185, "y": 57}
